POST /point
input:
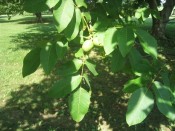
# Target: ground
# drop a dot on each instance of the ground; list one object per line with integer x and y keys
{"x": 25, "y": 105}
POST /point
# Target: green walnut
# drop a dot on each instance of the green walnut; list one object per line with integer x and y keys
{"x": 97, "y": 42}
{"x": 87, "y": 45}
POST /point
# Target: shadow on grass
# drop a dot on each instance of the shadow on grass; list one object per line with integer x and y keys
{"x": 37, "y": 35}
{"x": 25, "y": 19}
{"x": 30, "y": 108}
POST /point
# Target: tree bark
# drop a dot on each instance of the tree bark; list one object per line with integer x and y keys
{"x": 39, "y": 17}
{"x": 159, "y": 24}
{"x": 173, "y": 12}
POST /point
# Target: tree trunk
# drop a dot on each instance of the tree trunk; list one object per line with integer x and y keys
{"x": 39, "y": 17}
{"x": 51, "y": 10}
{"x": 159, "y": 24}
{"x": 173, "y": 12}
{"x": 158, "y": 28}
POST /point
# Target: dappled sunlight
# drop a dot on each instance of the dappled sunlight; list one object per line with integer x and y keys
{"x": 31, "y": 108}
{"x": 34, "y": 36}
{"x": 26, "y": 104}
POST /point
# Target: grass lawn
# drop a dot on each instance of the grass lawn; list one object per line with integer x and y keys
{"x": 24, "y": 104}
{"x": 16, "y": 39}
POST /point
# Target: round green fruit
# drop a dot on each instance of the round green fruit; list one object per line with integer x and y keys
{"x": 87, "y": 45}
{"x": 97, "y": 42}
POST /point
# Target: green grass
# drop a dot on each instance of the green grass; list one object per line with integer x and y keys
{"x": 16, "y": 39}
{"x": 24, "y": 104}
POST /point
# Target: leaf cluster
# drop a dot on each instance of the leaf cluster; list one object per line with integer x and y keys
{"x": 130, "y": 50}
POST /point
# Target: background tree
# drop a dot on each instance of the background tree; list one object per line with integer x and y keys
{"x": 38, "y": 17}
{"x": 11, "y": 7}
{"x": 159, "y": 24}
{"x": 160, "y": 18}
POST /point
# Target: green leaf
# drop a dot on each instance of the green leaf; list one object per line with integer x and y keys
{"x": 79, "y": 103}
{"x": 79, "y": 53}
{"x": 87, "y": 15}
{"x": 125, "y": 38}
{"x": 102, "y": 21}
{"x": 63, "y": 13}
{"x": 164, "y": 100}
{"x": 85, "y": 76}
{"x": 155, "y": 14}
{"x": 79, "y": 39}
{"x": 61, "y": 49}
{"x": 139, "y": 106}
{"x": 110, "y": 40}
{"x": 117, "y": 61}
{"x": 81, "y": 3}
{"x": 138, "y": 63}
{"x": 48, "y": 57}
{"x": 165, "y": 78}
{"x": 31, "y": 62}
{"x": 148, "y": 42}
{"x": 138, "y": 14}
{"x": 65, "y": 86}
{"x": 172, "y": 81}
{"x": 72, "y": 29}
{"x": 70, "y": 67}
{"x": 112, "y": 6}
{"x": 34, "y": 6}
{"x": 133, "y": 85}
{"x": 51, "y": 3}
{"x": 146, "y": 13}
{"x": 91, "y": 67}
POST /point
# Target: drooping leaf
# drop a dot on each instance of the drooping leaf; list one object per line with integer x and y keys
{"x": 79, "y": 39}
{"x": 31, "y": 62}
{"x": 72, "y": 29}
{"x": 91, "y": 67}
{"x": 81, "y": 3}
{"x": 164, "y": 100}
{"x": 139, "y": 106}
{"x": 155, "y": 14}
{"x": 79, "y": 102}
{"x": 117, "y": 61}
{"x": 79, "y": 53}
{"x": 34, "y": 6}
{"x": 110, "y": 40}
{"x": 87, "y": 15}
{"x": 102, "y": 21}
{"x": 110, "y": 8}
{"x": 146, "y": 13}
{"x": 148, "y": 42}
{"x": 172, "y": 81}
{"x": 125, "y": 38}
{"x": 61, "y": 49}
{"x": 48, "y": 57}
{"x": 138, "y": 63}
{"x": 133, "y": 85}
{"x": 85, "y": 76}
{"x": 65, "y": 86}
{"x": 63, "y": 13}
{"x": 70, "y": 67}
{"x": 138, "y": 14}
{"x": 165, "y": 78}
{"x": 51, "y": 3}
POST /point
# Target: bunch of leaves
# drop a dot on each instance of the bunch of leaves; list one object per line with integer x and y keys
{"x": 11, "y": 7}
{"x": 129, "y": 49}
